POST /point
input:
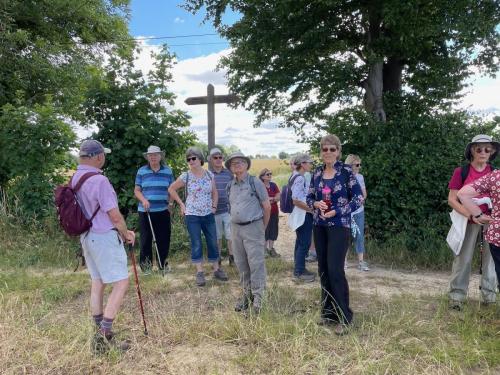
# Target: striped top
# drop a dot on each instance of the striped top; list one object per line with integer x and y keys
{"x": 221, "y": 180}
{"x": 154, "y": 187}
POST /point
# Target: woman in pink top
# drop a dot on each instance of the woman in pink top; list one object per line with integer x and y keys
{"x": 479, "y": 152}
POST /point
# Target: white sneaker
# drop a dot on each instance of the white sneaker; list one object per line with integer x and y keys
{"x": 363, "y": 266}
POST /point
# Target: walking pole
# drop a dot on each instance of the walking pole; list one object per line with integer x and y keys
{"x": 154, "y": 242}
{"x": 137, "y": 287}
{"x": 481, "y": 245}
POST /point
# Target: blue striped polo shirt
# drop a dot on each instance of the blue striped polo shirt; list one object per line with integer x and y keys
{"x": 154, "y": 187}
{"x": 221, "y": 180}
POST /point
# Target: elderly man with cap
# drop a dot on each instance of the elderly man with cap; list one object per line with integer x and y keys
{"x": 250, "y": 210}
{"x": 222, "y": 176}
{"x": 151, "y": 190}
{"x": 479, "y": 153}
{"x": 103, "y": 244}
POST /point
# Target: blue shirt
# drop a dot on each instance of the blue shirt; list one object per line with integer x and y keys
{"x": 154, "y": 187}
{"x": 346, "y": 196}
{"x": 221, "y": 180}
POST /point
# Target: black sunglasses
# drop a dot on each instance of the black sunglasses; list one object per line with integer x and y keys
{"x": 269, "y": 174}
{"x": 357, "y": 165}
{"x": 192, "y": 158}
{"x": 479, "y": 150}
{"x": 331, "y": 149}
{"x": 216, "y": 157}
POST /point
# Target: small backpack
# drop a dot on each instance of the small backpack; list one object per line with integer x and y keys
{"x": 286, "y": 202}
{"x": 464, "y": 171}
{"x": 69, "y": 211}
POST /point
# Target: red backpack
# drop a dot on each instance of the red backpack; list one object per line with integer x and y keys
{"x": 69, "y": 211}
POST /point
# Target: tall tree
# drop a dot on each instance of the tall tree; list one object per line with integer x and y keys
{"x": 48, "y": 46}
{"x": 132, "y": 113}
{"x": 295, "y": 58}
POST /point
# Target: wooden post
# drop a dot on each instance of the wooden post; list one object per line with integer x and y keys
{"x": 210, "y": 100}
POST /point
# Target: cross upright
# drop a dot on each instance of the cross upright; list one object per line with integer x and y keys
{"x": 210, "y": 100}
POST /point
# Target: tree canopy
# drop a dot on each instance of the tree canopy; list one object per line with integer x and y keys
{"x": 293, "y": 59}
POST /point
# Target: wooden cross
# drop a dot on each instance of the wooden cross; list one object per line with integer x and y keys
{"x": 210, "y": 100}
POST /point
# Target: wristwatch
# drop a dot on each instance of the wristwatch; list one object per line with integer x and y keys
{"x": 478, "y": 215}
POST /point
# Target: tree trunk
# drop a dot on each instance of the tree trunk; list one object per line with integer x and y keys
{"x": 393, "y": 70}
{"x": 374, "y": 88}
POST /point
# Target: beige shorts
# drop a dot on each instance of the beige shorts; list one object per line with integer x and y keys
{"x": 105, "y": 256}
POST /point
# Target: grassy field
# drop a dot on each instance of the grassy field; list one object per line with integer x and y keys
{"x": 46, "y": 327}
{"x": 281, "y": 170}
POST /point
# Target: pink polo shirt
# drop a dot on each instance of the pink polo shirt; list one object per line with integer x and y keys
{"x": 97, "y": 190}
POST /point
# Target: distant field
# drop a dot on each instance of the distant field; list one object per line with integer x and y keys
{"x": 280, "y": 169}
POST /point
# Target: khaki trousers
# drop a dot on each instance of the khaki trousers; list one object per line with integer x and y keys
{"x": 461, "y": 269}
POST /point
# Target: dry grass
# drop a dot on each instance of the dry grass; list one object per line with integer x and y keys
{"x": 402, "y": 323}
{"x": 280, "y": 169}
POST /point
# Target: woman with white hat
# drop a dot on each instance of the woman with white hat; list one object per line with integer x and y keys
{"x": 479, "y": 153}
{"x": 151, "y": 190}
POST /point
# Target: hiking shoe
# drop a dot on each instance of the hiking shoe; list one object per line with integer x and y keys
{"x": 306, "y": 276}
{"x": 267, "y": 253}
{"x": 231, "y": 260}
{"x": 200, "y": 279}
{"x": 363, "y": 266}
{"x": 243, "y": 303}
{"x": 273, "y": 253}
{"x": 220, "y": 275}
{"x": 341, "y": 329}
{"x": 456, "y": 305}
{"x": 102, "y": 343}
{"x": 311, "y": 258}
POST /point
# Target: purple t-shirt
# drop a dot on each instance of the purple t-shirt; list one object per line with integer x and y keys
{"x": 97, "y": 190}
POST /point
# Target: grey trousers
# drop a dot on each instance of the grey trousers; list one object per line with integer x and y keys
{"x": 461, "y": 269}
{"x": 248, "y": 250}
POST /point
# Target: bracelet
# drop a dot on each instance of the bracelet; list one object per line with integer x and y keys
{"x": 478, "y": 216}
{"x": 214, "y": 207}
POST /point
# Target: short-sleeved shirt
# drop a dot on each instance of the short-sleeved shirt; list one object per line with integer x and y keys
{"x": 272, "y": 191}
{"x": 299, "y": 187}
{"x": 154, "y": 187}
{"x": 245, "y": 204}
{"x": 222, "y": 178}
{"x": 346, "y": 196}
{"x": 489, "y": 185}
{"x": 456, "y": 181}
{"x": 361, "y": 182}
{"x": 199, "y": 193}
{"x": 96, "y": 191}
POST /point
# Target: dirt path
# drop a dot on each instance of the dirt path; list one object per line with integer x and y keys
{"x": 381, "y": 281}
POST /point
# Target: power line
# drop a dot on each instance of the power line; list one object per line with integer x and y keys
{"x": 195, "y": 44}
{"x": 171, "y": 37}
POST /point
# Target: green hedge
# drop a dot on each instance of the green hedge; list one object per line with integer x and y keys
{"x": 407, "y": 163}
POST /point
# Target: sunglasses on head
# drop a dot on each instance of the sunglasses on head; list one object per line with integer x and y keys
{"x": 191, "y": 158}
{"x": 216, "y": 157}
{"x": 331, "y": 149}
{"x": 479, "y": 150}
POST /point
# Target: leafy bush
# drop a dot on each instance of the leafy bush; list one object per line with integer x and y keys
{"x": 34, "y": 146}
{"x": 407, "y": 163}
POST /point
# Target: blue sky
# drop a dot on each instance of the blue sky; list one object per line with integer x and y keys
{"x": 167, "y": 18}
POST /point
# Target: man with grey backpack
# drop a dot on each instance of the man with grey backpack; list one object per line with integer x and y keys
{"x": 250, "y": 210}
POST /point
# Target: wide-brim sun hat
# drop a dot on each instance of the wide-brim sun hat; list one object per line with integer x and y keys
{"x": 154, "y": 150}
{"x": 237, "y": 155}
{"x": 481, "y": 138}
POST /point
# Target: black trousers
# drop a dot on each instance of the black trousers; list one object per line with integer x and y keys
{"x": 331, "y": 246}
{"x": 162, "y": 227}
{"x": 495, "y": 254}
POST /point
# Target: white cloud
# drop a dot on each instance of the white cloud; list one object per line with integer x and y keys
{"x": 179, "y": 20}
{"x": 232, "y": 126}
{"x": 235, "y": 126}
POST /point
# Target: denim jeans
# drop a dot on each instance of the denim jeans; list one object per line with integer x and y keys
{"x": 359, "y": 240}
{"x": 302, "y": 244}
{"x": 197, "y": 224}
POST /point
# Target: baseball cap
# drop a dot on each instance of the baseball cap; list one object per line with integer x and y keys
{"x": 91, "y": 147}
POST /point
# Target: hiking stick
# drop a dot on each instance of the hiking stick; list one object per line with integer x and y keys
{"x": 154, "y": 243}
{"x": 137, "y": 287}
{"x": 481, "y": 245}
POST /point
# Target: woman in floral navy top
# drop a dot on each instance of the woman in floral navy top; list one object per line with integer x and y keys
{"x": 334, "y": 193}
